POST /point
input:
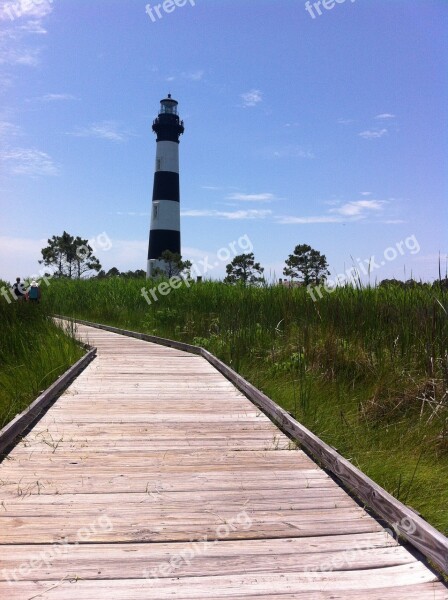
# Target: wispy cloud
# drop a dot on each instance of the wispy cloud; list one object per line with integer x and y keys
{"x": 359, "y": 208}
{"x": 290, "y": 220}
{"x": 27, "y": 57}
{"x": 8, "y": 130}
{"x": 252, "y": 98}
{"x": 235, "y": 215}
{"x": 345, "y": 121}
{"x": 6, "y": 82}
{"x": 194, "y": 75}
{"x": 124, "y": 254}
{"x": 106, "y": 130}
{"x": 293, "y": 152}
{"x": 56, "y": 97}
{"x": 12, "y": 11}
{"x": 287, "y": 151}
{"x": 23, "y": 21}
{"x": 349, "y": 212}
{"x": 434, "y": 258}
{"x": 28, "y": 161}
{"x": 132, "y": 214}
{"x": 385, "y": 116}
{"x": 19, "y": 256}
{"x": 372, "y": 134}
{"x": 36, "y": 27}
{"x": 266, "y": 197}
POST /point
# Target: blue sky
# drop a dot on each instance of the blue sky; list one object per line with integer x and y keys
{"x": 329, "y": 131}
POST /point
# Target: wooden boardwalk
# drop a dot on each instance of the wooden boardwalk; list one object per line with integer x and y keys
{"x": 153, "y": 477}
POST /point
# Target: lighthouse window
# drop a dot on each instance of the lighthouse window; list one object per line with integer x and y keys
{"x": 158, "y": 164}
{"x": 168, "y": 107}
{"x": 155, "y": 211}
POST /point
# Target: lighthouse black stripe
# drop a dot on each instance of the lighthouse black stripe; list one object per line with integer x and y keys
{"x": 168, "y": 128}
{"x": 168, "y": 134}
{"x": 166, "y": 186}
{"x": 161, "y": 240}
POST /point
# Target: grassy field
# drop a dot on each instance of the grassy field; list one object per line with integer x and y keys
{"x": 33, "y": 354}
{"x": 365, "y": 369}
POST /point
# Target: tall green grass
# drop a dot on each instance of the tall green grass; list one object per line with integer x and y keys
{"x": 33, "y": 354}
{"x": 365, "y": 369}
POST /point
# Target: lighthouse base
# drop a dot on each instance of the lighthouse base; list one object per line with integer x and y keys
{"x": 156, "y": 268}
{"x": 152, "y": 265}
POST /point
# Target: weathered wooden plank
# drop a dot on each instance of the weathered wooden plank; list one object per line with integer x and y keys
{"x": 145, "y": 418}
{"x": 291, "y": 458}
{"x": 163, "y": 444}
{"x": 174, "y": 429}
{"x": 77, "y": 504}
{"x": 407, "y": 592}
{"x": 237, "y": 585}
{"x": 112, "y": 464}
{"x": 180, "y": 458}
{"x": 228, "y": 557}
{"x": 40, "y": 484}
{"x": 183, "y": 527}
{"x": 150, "y": 510}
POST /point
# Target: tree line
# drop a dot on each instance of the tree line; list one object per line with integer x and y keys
{"x": 72, "y": 257}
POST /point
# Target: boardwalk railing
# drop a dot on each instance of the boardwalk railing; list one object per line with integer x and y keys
{"x": 406, "y": 523}
{"x": 15, "y": 428}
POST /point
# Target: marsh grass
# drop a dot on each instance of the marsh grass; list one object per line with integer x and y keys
{"x": 33, "y": 354}
{"x": 366, "y": 369}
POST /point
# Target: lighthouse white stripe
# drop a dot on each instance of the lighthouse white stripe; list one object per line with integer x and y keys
{"x": 167, "y": 157}
{"x": 165, "y": 215}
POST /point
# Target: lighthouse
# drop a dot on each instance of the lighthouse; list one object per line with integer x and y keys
{"x": 165, "y": 211}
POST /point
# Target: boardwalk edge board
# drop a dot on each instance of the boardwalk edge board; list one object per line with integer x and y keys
{"x": 11, "y": 431}
{"x": 421, "y": 535}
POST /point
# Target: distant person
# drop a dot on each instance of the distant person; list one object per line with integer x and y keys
{"x": 18, "y": 290}
{"x": 34, "y": 292}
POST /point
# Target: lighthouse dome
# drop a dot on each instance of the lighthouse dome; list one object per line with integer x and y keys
{"x": 168, "y": 106}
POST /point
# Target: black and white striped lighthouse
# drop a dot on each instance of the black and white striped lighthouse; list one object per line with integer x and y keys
{"x": 165, "y": 214}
